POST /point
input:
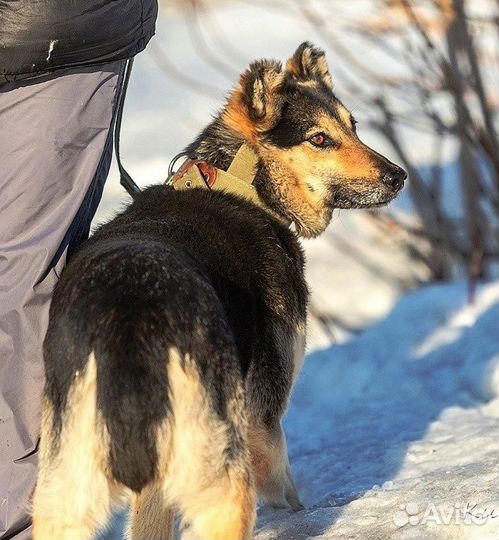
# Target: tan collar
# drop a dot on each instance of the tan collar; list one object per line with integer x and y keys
{"x": 238, "y": 179}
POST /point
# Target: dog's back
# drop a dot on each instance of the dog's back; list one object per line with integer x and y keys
{"x": 152, "y": 330}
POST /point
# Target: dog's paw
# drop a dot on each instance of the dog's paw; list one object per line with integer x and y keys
{"x": 293, "y": 501}
{"x": 283, "y": 496}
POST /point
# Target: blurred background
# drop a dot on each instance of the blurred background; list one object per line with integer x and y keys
{"x": 422, "y": 79}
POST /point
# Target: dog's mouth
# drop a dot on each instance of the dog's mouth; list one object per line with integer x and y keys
{"x": 374, "y": 195}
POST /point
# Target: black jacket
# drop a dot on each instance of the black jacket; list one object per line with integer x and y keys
{"x": 39, "y": 36}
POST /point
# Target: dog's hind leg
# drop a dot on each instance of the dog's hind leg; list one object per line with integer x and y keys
{"x": 73, "y": 497}
{"x": 150, "y": 518}
{"x": 209, "y": 475}
{"x": 270, "y": 463}
{"x": 225, "y": 510}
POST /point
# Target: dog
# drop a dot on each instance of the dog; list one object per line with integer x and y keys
{"x": 177, "y": 330}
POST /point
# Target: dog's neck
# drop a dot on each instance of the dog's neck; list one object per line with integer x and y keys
{"x": 216, "y": 144}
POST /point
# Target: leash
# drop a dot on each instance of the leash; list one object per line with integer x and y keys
{"x": 125, "y": 179}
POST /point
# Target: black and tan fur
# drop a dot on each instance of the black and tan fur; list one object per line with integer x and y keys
{"x": 177, "y": 331}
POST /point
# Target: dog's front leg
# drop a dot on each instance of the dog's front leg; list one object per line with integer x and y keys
{"x": 270, "y": 463}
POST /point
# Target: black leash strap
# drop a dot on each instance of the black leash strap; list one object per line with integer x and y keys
{"x": 125, "y": 179}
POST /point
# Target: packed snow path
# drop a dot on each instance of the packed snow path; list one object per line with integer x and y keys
{"x": 396, "y": 433}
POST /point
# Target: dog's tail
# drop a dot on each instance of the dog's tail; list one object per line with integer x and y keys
{"x": 132, "y": 395}
{"x": 161, "y": 328}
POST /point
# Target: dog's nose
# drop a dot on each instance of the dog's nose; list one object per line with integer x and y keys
{"x": 395, "y": 178}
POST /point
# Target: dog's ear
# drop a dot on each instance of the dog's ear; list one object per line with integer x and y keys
{"x": 262, "y": 86}
{"x": 309, "y": 63}
{"x": 255, "y": 105}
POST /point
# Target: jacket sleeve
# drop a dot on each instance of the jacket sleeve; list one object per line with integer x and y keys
{"x": 40, "y": 36}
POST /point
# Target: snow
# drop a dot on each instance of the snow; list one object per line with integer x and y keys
{"x": 404, "y": 417}
{"x": 356, "y": 272}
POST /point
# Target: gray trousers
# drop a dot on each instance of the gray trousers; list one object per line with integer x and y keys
{"x": 55, "y": 153}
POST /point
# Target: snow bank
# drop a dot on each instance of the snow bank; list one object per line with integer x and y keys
{"x": 395, "y": 434}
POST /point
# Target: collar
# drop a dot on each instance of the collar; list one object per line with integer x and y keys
{"x": 238, "y": 179}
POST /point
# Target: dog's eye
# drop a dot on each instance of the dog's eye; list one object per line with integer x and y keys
{"x": 320, "y": 140}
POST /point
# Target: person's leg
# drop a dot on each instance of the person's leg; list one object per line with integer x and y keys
{"x": 55, "y": 152}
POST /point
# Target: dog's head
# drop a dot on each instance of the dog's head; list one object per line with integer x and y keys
{"x": 312, "y": 158}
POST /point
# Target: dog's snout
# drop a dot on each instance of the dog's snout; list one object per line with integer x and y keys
{"x": 395, "y": 178}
